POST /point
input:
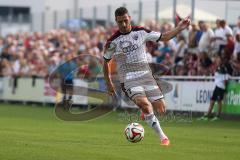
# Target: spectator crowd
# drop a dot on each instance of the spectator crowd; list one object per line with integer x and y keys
{"x": 193, "y": 52}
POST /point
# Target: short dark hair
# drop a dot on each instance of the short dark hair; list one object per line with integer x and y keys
{"x": 222, "y": 22}
{"x": 121, "y": 11}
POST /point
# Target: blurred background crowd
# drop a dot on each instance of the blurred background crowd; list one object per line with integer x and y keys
{"x": 193, "y": 52}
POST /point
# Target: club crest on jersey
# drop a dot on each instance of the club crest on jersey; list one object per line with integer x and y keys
{"x": 135, "y": 37}
{"x": 110, "y": 46}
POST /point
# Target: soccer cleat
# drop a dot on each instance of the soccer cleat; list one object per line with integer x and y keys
{"x": 215, "y": 119}
{"x": 204, "y": 118}
{"x": 165, "y": 142}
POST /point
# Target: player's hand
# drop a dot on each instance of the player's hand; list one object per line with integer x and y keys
{"x": 111, "y": 90}
{"x": 184, "y": 23}
{"x": 113, "y": 95}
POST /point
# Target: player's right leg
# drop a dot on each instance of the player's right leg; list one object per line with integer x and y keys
{"x": 160, "y": 106}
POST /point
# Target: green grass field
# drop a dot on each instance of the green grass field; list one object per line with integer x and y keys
{"x": 34, "y": 133}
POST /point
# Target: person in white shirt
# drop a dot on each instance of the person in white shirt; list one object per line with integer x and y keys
{"x": 206, "y": 38}
{"x": 128, "y": 48}
{"x": 236, "y": 30}
{"x": 219, "y": 37}
{"x": 226, "y": 28}
{"x": 221, "y": 77}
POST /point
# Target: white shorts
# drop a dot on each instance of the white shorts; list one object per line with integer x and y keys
{"x": 144, "y": 86}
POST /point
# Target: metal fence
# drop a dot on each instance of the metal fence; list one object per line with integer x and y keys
{"x": 159, "y": 10}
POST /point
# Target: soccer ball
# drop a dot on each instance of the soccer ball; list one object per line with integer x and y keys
{"x": 134, "y": 132}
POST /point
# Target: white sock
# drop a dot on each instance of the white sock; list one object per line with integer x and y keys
{"x": 153, "y": 122}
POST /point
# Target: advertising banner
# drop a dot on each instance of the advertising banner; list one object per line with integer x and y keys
{"x": 195, "y": 95}
{"x": 232, "y": 100}
{"x": 23, "y": 89}
{"x": 186, "y": 95}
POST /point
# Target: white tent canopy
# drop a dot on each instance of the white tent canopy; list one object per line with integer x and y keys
{"x": 184, "y": 10}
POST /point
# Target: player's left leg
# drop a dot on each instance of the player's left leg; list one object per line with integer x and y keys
{"x": 155, "y": 96}
{"x": 149, "y": 117}
{"x": 160, "y": 107}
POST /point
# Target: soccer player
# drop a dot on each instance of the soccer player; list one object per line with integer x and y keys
{"x": 127, "y": 47}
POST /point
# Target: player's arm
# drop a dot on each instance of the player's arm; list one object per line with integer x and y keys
{"x": 108, "y": 53}
{"x": 107, "y": 76}
{"x": 157, "y": 36}
{"x": 184, "y": 23}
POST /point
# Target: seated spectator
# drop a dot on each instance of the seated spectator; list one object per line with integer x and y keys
{"x": 165, "y": 48}
{"x": 6, "y": 68}
{"x": 6, "y": 53}
{"x": 24, "y": 68}
{"x": 205, "y": 64}
{"x": 180, "y": 69}
{"x": 181, "y": 48}
{"x": 191, "y": 64}
{"x": 236, "y": 65}
{"x": 229, "y": 46}
{"x": 168, "y": 63}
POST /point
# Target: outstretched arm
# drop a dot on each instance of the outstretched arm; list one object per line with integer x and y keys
{"x": 184, "y": 23}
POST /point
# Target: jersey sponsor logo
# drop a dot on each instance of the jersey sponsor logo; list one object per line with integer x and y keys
{"x": 127, "y": 46}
